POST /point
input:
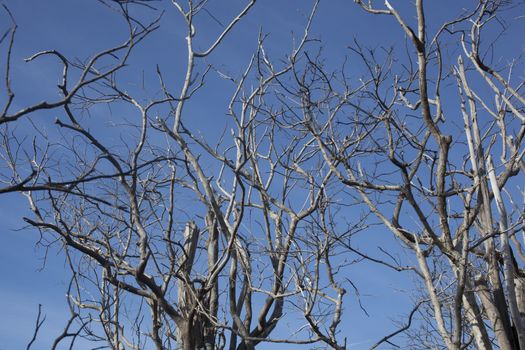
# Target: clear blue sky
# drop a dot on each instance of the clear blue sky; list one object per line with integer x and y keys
{"x": 80, "y": 27}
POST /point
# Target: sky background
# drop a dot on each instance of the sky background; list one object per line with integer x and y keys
{"x": 80, "y": 27}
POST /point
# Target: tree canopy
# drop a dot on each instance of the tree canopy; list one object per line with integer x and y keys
{"x": 234, "y": 176}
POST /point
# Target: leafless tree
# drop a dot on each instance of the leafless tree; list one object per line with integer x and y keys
{"x": 433, "y": 146}
{"x": 174, "y": 240}
{"x": 182, "y": 238}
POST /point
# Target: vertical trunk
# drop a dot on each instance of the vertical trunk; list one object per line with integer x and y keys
{"x": 496, "y": 305}
{"x": 213, "y": 299}
{"x": 190, "y": 330}
{"x": 499, "y": 311}
{"x": 475, "y": 321}
{"x": 503, "y": 338}
{"x": 186, "y": 337}
{"x": 520, "y": 296}
{"x": 190, "y": 336}
{"x": 508, "y": 268}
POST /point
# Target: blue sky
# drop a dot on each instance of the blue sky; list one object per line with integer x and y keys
{"x": 80, "y": 27}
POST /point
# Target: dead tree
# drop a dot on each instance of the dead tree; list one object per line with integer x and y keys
{"x": 433, "y": 146}
{"x": 175, "y": 241}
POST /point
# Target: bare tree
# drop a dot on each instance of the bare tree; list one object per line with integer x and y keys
{"x": 423, "y": 160}
{"x": 182, "y": 238}
{"x": 175, "y": 241}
